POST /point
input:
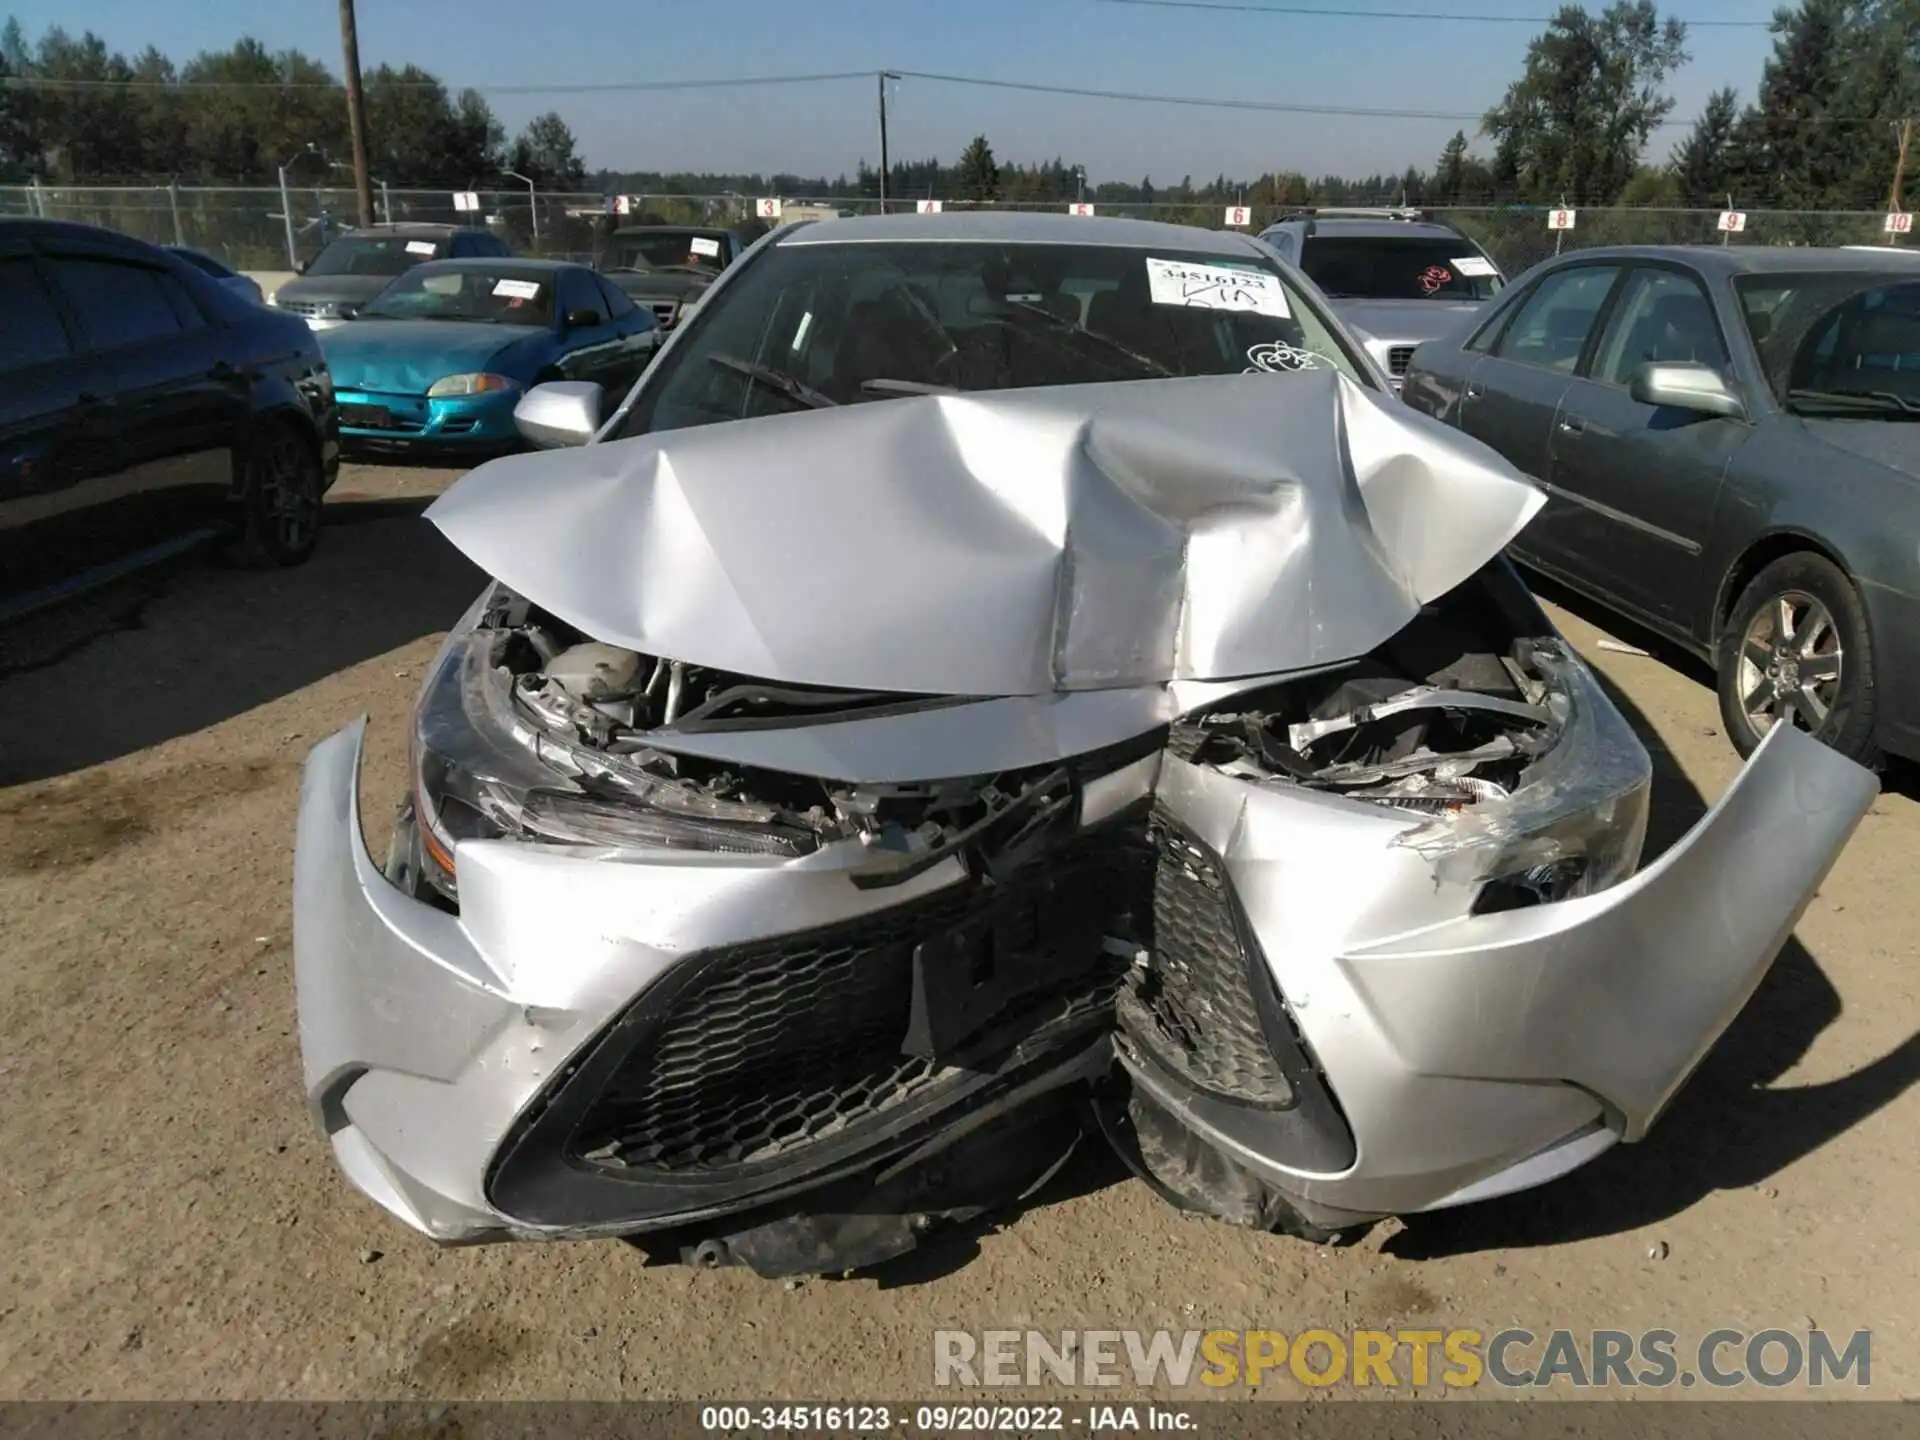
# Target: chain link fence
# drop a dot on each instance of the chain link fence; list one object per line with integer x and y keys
{"x": 260, "y": 229}
{"x": 251, "y": 229}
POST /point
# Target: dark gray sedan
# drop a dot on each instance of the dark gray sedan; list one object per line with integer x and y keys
{"x": 1728, "y": 442}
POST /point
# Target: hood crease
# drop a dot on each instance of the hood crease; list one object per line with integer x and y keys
{"x": 1009, "y": 543}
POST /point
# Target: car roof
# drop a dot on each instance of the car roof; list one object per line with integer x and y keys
{"x": 411, "y": 227}
{"x": 1023, "y": 227}
{"x": 32, "y": 226}
{"x": 1375, "y": 229}
{"x": 506, "y": 264}
{"x": 1745, "y": 259}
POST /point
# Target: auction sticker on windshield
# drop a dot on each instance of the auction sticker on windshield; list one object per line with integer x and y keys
{"x": 421, "y": 247}
{"x": 517, "y": 289}
{"x": 1473, "y": 265}
{"x": 705, "y": 245}
{"x": 1216, "y": 287}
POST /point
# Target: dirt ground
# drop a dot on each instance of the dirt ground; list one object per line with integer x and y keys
{"x": 173, "y": 1228}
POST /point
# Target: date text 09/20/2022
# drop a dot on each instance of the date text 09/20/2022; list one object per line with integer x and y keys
{"x": 944, "y": 1419}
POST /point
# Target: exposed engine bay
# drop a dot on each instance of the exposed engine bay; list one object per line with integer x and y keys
{"x": 1450, "y": 714}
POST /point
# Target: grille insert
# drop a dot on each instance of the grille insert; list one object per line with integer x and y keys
{"x": 1194, "y": 1006}
{"x": 770, "y": 1048}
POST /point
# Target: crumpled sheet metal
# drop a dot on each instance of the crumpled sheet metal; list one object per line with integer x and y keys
{"x": 1009, "y": 543}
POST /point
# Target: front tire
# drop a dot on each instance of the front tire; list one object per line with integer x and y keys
{"x": 280, "y": 499}
{"x": 1796, "y": 649}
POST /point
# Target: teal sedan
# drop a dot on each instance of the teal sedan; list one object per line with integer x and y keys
{"x": 435, "y": 363}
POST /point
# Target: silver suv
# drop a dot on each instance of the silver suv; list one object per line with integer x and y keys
{"x": 1396, "y": 279}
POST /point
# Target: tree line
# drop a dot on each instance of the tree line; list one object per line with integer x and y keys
{"x": 1820, "y": 133}
{"x": 235, "y": 116}
{"x": 1577, "y": 125}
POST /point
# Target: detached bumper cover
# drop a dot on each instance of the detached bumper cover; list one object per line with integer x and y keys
{"x": 1466, "y": 1055}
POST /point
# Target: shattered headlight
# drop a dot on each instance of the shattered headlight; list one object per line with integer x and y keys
{"x": 1576, "y": 822}
{"x": 481, "y": 770}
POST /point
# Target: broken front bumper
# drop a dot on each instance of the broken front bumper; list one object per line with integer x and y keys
{"x": 465, "y": 1068}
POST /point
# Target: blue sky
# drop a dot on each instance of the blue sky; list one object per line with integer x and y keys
{"x": 828, "y": 128}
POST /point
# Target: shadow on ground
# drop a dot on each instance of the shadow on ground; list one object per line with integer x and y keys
{"x": 173, "y": 652}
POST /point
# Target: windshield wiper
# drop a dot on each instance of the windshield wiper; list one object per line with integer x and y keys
{"x": 906, "y": 387}
{"x": 777, "y": 381}
{"x": 1853, "y": 402}
{"x": 1059, "y": 322}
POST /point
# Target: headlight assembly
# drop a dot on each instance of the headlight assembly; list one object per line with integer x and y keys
{"x": 481, "y": 383}
{"x": 1576, "y": 823}
{"x": 484, "y": 768}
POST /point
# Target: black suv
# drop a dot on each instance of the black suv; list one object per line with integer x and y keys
{"x": 356, "y": 267}
{"x": 144, "y": 409}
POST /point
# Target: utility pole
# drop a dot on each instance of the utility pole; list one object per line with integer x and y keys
{"x": 1900, "y": 172}
{"x": 885, "y": 75}
{"x": 356, "y": 111}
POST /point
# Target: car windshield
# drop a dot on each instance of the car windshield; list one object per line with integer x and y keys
{"x": 660, "y": 249}
{"x": 375, "y": 254}
{"x": 1399, "y": 267}
{"x": 1840, "y": 345}
{"x": 815, "y": 324}
{"x": 481, "y": 294}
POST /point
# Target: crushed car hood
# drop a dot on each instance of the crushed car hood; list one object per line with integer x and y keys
{"x": 1012, "y": 543}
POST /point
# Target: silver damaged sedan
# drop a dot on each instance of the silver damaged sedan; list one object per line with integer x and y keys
{"x": 999, "y": 683}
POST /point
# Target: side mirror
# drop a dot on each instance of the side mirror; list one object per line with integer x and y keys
{"x": 582, "y": 319}
{"x": 1686, "y": 385}
{"x": 299, "y": 267}
{"x": 559, "y": 413}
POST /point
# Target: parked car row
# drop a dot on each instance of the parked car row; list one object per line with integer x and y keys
{"x": 1081, "y": 701}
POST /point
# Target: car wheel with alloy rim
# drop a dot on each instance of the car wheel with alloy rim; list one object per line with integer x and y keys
{"x": 1796, "y": 651}
{"x": 280, "y": 502}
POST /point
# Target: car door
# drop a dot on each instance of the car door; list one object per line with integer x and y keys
{"x": 181, "y": 401}
{"x": 1644, "y": 480}
{"x": 595, "y": 350}
{"x": 59, "y": 447}
{"x": 640, "y": 333}
{"x": 1512, "y": 395}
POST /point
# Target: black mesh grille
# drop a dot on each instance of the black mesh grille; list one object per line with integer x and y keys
{"x": 1398, "y": 358}
{"x": 1193, "y": 1006}
{"x": 773, "y": 1047}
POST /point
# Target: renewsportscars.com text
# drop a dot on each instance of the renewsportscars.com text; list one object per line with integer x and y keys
{"x": 1406, "y": 1359}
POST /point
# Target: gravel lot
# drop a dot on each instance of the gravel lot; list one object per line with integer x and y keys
{"x": 173, "y": 1227}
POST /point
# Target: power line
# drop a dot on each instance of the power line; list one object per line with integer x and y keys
{"x": 1204, "y": 102}
{"x": 1455, "y": 18}
{"x": 48, "y": 82}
